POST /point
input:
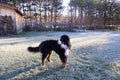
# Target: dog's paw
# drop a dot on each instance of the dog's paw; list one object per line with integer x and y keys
{"x": 42, "y": 66}
{"x": 50, "y": 61}
{"x": 64, "y": 65}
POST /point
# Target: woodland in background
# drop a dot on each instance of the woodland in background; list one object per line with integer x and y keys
{"x": 95, "y": 14}
{"x": 83, "y": 14}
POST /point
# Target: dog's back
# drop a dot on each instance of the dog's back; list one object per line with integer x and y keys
{"x": 44, "y": 46}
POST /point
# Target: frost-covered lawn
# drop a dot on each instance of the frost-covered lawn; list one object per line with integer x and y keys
{"x": 94, "y": 56}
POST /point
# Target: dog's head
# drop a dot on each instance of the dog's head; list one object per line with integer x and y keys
{"x": 65, "y": 40}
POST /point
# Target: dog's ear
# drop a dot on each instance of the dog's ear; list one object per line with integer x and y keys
{"x": 70, "y": 45}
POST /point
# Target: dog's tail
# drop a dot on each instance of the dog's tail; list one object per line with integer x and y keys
{"x": 34, "y": 49}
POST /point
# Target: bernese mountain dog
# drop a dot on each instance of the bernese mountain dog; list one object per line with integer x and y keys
{"x": 61, "y": 47}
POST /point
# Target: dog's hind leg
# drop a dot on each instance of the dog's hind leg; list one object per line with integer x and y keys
{"x": 48, "y": 57}
{"x": 43, "y": 59}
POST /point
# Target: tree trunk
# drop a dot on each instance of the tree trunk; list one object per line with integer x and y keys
{"x": 55, "y": 17}
{"x": 71, "y": 20}
{"x": 81, "y": 17}
{"x": 51, "y": 19}
{"x": 75, "y": 15}
{"x": 45, "y": 18}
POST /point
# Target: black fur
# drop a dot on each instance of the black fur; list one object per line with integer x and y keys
{"x": 46, "y": 48}
{"x": 33, "y": 49}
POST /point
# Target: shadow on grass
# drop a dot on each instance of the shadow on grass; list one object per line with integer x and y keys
{"x": 17, "y": 72}
{"x": 43, "y": 74}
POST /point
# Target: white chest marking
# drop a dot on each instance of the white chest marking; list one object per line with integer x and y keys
{"x": 67, "y": 51}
